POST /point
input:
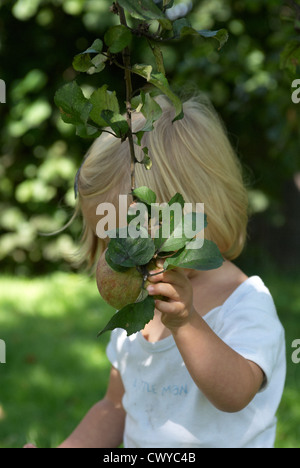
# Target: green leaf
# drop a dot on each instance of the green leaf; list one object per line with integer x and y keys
{"x": 144, "y": 195}
{"x": 73, "y": 105}
{"x": 113, "y": 265}
{"x": 83, "y": 61}
{"x": 168, "y": 3}
{"x": 151, "y": 110}
{"x": 96, "y": 47}
{"x": 87, "y": 131}
{"x": 207, "y": 258}
{"x": 159, "y": 58}
{"x": 160, "y": 81}
{"x": 117, "y": 38}
{"x": 172, "y": 222}
{"x": 290, "y": 56}
{"x": 142, "y": 9}
{"x": 182, "y": 27}
{"x": 97, "y": 64}
{"x": 102, "y": 99}
{"x": 146, "y": 161}
{"x": 221, "y": 36}
{"x": 179, "y": 237}
{"x": 129, "y": 251}
{"x": 117, "y": 122}
{"x": 132, "y": 317}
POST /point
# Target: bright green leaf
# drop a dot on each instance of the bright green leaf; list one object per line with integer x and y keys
{"x": 145, "y": 195}
{"x": 160, "y": 81}
{"x": 179, "y": 236}
{"x": 206, "y": 258}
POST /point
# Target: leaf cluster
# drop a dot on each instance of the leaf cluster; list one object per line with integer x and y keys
{"x": 125, "y": 252}
{"x": 101, "y": 112}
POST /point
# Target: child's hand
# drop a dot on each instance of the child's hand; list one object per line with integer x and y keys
{"x": 175, "y": 286}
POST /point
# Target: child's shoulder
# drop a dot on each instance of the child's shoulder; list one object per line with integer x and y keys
{"x": 214, "y": 288}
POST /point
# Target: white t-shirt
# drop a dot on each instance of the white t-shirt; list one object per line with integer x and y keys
{"x": 164, "y": 407}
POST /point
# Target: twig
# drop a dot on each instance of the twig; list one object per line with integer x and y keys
{"x": 128, "y": 81}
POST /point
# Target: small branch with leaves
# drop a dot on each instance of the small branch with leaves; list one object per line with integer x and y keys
{"x": 102, "y": 113}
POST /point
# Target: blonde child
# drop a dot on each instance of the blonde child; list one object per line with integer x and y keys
{"x": 208, "y": 371}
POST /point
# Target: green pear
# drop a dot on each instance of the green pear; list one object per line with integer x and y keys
{"x": 117, "y": 288}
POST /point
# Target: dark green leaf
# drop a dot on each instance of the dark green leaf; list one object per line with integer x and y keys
{"x": 221, "y": 35}
{"x": 129, "y": 251}
{"x": 73, "y": 105}
{"x": 87, "y": 131}
{"x": 206, "y": 258}
{"x": 117, "y": 38}
{"x": 117, "y": 122}
{"x": 113, "y": 265}
{"x": 168, "y": 4}
{"x": 290, "y": 57}
{"x": 182, "y": 27}
{"x": 83, "y": 62}
{"x": 133, "y": 317}
{"x": 142, "y": 9}
{"x": 102, "y": 99}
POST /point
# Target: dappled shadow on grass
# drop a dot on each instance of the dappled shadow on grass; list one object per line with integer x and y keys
{"x": 56, "y": 367}
{"x": 284, "y": 288}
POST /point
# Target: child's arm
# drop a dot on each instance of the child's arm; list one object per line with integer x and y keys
{"x": 103, "y": 426}
{"x": 227, "y": 379}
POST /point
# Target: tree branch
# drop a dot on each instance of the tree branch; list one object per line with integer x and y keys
{"x": 128, "y": 81}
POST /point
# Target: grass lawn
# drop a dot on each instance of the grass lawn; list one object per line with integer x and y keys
{"x": 56, "y": 367}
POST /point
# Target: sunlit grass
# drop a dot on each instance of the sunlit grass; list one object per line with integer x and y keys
{"x": 56, "y": 367}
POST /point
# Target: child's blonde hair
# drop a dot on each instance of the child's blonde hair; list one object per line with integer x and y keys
{"x": 192, "y": 156}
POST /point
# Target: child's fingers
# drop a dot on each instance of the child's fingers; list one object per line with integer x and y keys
{"x": 164, "y": 307}
{"x": 163, "y": 289}
{"x": 171, "y": 276}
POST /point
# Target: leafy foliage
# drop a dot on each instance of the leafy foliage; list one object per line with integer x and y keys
{"x": 40, "y": 154}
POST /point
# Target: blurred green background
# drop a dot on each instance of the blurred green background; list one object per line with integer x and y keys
{"x": 49, "y": 313}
